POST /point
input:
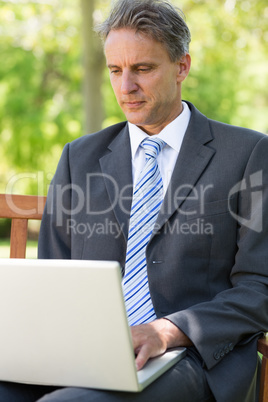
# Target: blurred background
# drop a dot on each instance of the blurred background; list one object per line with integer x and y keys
{"x": 54, "y": 86}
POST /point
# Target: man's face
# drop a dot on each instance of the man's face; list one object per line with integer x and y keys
{"x": 146, "y": 83}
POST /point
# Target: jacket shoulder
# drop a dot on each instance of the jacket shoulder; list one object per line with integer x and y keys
{"x": 241, "y": 133}
{"x": 205, "y": 129}
{"x": 101, "y": 138}
{"x": 91, "y": 147}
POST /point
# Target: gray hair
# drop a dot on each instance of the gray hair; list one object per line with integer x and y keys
{"x": 158, "y": 19}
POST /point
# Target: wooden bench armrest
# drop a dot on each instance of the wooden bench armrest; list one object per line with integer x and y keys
{"x": 263, "y": 346}
{"x": 20, "y": 208}
{"x": 263, "y": 349}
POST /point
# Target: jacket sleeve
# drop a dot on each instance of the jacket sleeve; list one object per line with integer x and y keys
{"x": 238, "y": 314}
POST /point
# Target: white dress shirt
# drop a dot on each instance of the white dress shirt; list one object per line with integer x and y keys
{"x": 172, "y": 134}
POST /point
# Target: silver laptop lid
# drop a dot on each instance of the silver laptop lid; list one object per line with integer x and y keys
{"x": 63, "y": 322}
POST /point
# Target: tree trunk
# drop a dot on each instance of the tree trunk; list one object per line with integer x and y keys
{"x": 94, "y": 62}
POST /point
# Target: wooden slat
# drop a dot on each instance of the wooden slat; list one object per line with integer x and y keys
{"x": 263, "y": 346}
{"x": 264, "y": 380}
{"x": 18, "y": 238}
{"x": 21, "y": 206}
{"x": 263, "y": 349}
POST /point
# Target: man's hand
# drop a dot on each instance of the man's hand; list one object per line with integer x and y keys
{"x": 154, "y": 338}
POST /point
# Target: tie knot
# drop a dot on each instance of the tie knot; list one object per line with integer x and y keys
{"x": 152, "y": 147}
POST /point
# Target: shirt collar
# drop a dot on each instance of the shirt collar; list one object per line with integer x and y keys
{"x": 172, "y": 134}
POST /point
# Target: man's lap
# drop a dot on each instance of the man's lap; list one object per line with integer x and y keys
{"x": 183, "y": 382}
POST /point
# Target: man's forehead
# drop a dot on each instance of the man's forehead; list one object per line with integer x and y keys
{"x": 129, "y": 43}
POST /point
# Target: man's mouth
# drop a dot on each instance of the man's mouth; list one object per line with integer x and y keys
{"x": 133, "y": 104}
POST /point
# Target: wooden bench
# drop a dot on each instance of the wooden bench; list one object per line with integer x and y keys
{"x": 263, "y": 349}
{"x": 21, "y": 208}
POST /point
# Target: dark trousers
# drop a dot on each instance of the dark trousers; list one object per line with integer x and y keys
{"x": 184, "y": 382}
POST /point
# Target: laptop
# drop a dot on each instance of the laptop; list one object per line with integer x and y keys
{"x": 63, "y": 323}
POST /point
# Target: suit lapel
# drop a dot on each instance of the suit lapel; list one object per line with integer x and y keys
{"x": 193, "y": 158}
{"x": 117, "y": 173}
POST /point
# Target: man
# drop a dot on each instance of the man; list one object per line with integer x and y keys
{"x": 205, "y": 256}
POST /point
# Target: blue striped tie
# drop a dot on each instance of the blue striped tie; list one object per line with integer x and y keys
{"x": 146, "y": 203}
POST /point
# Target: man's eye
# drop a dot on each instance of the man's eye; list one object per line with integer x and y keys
{"x": 144, "y": 69}
{"x": 114, "y": 70}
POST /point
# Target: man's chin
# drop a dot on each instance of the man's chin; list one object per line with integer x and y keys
{"x": 135, "y": 119}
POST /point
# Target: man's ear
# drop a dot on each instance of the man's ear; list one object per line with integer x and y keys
{"x": 184, "y": 65}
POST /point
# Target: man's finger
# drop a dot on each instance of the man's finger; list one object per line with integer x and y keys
{"x": 143, "y": 355}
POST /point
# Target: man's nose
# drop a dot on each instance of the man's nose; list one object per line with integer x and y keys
{"x": 128, "y": 84}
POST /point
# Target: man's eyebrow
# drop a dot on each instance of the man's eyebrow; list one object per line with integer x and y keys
{"x": 112, "y": 66}
{"x": 144, "y": 63}
{"x": 134, "y": 66}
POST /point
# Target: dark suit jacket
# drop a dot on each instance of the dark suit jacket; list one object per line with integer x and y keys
{"x": 207, "y": 259}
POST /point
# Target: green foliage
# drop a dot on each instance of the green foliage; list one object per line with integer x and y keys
{"x": 41, "y": 77}
{"x": 229, "y": 75}
{"x": 40, "y": 87}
